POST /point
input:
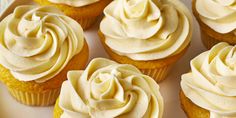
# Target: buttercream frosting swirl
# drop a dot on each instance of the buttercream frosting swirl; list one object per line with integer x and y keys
{"x": 147, "y": 29}
{"x": 220, "y": 15}
{"x": 110, "y": 90}
{"x": 211, "y": 84}
{"x": 74, "y": 3}
{"x": 36, "y": 43}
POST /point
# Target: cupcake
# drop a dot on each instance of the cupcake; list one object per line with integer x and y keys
{"x": 38, "y": 45}
{"x": 209, "y": 90}
{"x": 150, "y": 34}
{"x": 106, "y": 89}
{"x": 85, "y": 12}
{"x": 217, "y": 21}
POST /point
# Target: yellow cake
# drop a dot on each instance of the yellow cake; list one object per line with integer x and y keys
{"x": 152, "y": 41}
{"x": 208, "y": 90}
{"x": 209, "y": 35}
{"x": 86, "y": 14}
{"x": 108, "y": 89}
{"x": 34, "y": 73}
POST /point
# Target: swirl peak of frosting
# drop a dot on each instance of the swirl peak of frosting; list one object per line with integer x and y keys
{"x": 36, "y": 43}
{"x": 147, "y": 29}
{"x": 212, "y": 82}
{"x": 74, "y": 3}
{"x": 220, "y": 15}
{"x": 107, "y": 90}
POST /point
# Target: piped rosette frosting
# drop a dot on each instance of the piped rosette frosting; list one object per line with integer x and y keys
{"x": 36, "y": 43}
{"x": 108, "y": 90}
{"x": 220, "y": 15}
{"x": 146, "y": 29}
{"x": 211, "y": 84}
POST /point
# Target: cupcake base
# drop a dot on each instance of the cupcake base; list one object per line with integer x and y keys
{"x": 46, "y": 93}
{"x": 157, "y": 69}
{"x": 207, "y": 40}
{"x": 86, "y": 22}
{"x": 192, "y": 110}
{"x": 86, "y": 16}
{"x": 45, "y": 98}
{"x": 209, "y": 36}
{"x": 158, "y": 74}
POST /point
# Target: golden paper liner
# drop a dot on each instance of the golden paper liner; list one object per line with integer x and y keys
{"x": 34, "y": 98}
{"x": 207, "y": 40}
{"x": 191, "y": 109}
{"x": 158, "y": 74}
{"x": 86, "y": 22}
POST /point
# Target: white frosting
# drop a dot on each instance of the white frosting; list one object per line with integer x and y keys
{"x": 108, "y": 90}
{"x": 147, "y": 29}
{"x": 220, "y": 15}
{"x": 74, "y": 3}
{"x": 36, "y": 43}
{"x": 212, "y": 82}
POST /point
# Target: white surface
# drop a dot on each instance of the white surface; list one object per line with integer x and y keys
{"x": 9, "y": 108}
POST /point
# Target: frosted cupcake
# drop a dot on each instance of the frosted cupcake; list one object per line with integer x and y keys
{"x": 38, "y": 45}
{"x": 85, "y": 12}
{"x": 209, "y": 90}
{"x": 150, "y": 34}
{"x": 106, "y": 89}
{"x": 217, "y": 21}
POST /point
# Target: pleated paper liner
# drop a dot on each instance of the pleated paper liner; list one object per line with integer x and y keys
{"x": 44, "y": 98}
{"x": 87, "y": 22}
{"x": 158, "y": 74}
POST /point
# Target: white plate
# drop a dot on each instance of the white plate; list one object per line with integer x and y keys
{"x": 9, "y": 108}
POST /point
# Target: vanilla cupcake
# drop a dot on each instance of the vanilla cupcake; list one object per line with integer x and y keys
{"x": 38, "y": 45}
{"x": 217, "y": 20}
{"x": 86, "y": 12}
{"x": 106, "y": 89}
{"x": 209, "y": 90}
{"x": 150, "y": 34}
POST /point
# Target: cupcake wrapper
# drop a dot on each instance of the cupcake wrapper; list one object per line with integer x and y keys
{"x": 87, "y": 22}
{"x": 207, "y": 40}
{"x": 35, "y": 99}
{"x": 157, "y": 74}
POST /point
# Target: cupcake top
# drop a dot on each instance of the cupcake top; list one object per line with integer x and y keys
{"x": 107, "y": 89}
{"x": 211, "y": 84}
{"x": 36, "y": 43}
{"x": 220, "y": 15}
{"x": 147, "y": 29}
{"x": 74, "y": 3}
